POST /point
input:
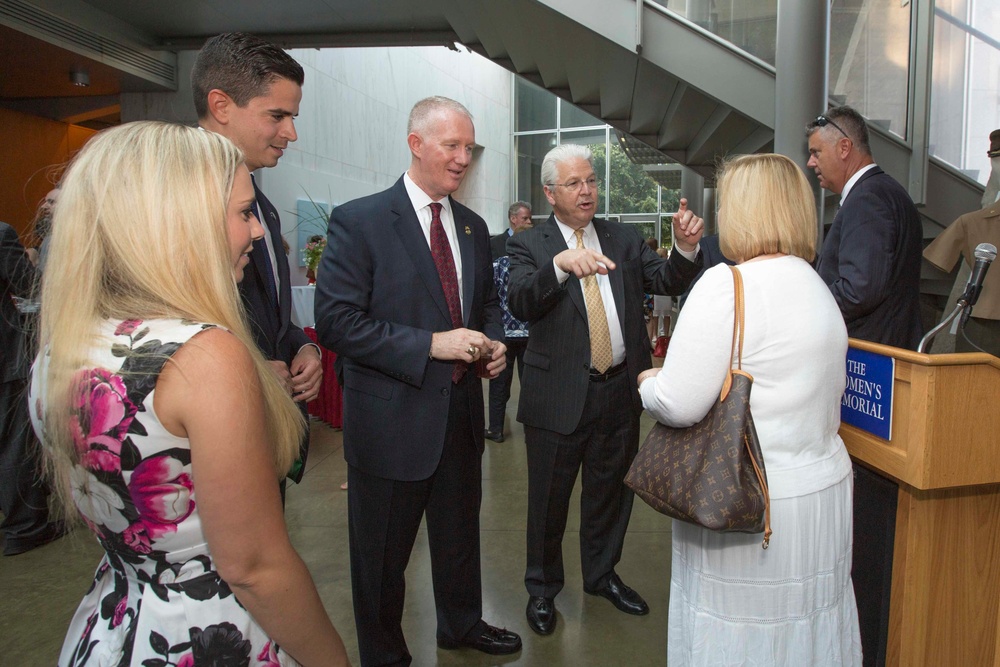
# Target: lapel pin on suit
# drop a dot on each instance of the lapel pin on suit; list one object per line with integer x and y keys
{"x": 468, "y": 231}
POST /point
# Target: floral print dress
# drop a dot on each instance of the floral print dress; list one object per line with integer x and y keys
{"x": 156, "y": 599}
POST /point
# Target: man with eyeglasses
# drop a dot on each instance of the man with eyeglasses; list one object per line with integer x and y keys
{"x": 579, "y": 282}
{"x": 871, "y": 256}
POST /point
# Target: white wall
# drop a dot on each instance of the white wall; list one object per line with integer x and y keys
{"x": 352, "y": 126}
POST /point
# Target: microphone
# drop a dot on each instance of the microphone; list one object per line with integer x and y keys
{"x": 985, "y": 254}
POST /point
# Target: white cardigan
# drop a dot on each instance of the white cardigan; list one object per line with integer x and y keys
{"x": 795, "y": 348}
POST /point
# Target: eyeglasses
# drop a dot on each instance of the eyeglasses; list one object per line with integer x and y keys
{"x": 823, "y": 121}
{"x": 575, "y": 185}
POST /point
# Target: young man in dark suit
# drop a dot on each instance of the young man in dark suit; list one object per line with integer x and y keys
{"x": 249, "y": 91}
{"x": 579, "y": 283}
{"x": 406, "y": 299}
{"x": 871, "y": 255}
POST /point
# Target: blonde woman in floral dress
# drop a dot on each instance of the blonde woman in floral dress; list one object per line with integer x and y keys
{"x": 162, "y": 424}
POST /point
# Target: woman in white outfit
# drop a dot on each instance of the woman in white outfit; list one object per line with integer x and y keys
{"x": 731, "y": 602}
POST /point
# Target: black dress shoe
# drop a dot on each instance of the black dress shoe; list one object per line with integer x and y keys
{"x": 622, "y": 596}
{"x": 495, "y": 436}
{"x": 541, "y": 613}
{"x": 492, "y": 640}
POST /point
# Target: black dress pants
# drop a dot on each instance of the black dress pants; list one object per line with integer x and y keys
{"x": 603, "y": 445}
{"x": 23, "y": 493}
{"x": 500, "y": 385}
{"x": 384, "y": 516}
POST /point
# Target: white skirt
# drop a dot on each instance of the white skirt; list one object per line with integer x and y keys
{"x": 733, "y": 603}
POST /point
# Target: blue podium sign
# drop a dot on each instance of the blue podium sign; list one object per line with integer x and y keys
{"x": 867, "y": 401}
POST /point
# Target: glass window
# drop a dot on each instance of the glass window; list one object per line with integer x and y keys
{"x": 870, "y": 59}
{"x": 530, "y": 149}
{"x": 536, "y": 107}
{"x": 966, "y": 72}
{"x": 571, "y": 116}
{"x": 631, "y": 190}
{"x": 750, "y": 25}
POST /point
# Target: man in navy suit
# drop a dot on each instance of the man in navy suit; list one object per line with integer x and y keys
{"x": 871, "y": 256}
{"x": 406, "y": 299}
{"x": 579, "y": 283}
{"x": 249, "y": 91}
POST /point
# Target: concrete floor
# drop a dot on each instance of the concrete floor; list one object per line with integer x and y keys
{"x": 41, "y": 589}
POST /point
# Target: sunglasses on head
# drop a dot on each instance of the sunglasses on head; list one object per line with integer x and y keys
{"x": 823, "y": 121}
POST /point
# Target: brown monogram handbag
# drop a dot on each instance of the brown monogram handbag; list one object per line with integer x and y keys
{"x": 710, "y": 474}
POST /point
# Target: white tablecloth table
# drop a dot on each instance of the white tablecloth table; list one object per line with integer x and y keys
{"x": 303, "y": 303}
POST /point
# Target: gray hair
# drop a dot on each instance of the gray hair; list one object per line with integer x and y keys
{"x": 517, "y": 206}
{"x": 560, "y": 154}
{"x": 424, "y": 110}
{"x": 846, "y": 120}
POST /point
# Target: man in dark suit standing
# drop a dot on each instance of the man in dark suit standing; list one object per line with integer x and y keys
{"x": 871, "y": 255}
{"x": 406, "y": 299}
{"x": 23, "y": 494}
{"x": 579, "y": 282}
{"x": 249, "y": 91}
{"x": 519, "y": 217}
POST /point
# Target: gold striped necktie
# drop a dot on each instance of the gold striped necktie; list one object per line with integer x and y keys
{"x": 600, "y": 336}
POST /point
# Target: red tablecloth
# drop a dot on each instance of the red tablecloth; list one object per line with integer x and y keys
{"x": 329, "y": 405}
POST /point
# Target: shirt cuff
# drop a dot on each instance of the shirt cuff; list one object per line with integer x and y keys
{"x": 690, "y": 256}
{"x": 319, "y": 350}
{"x": 561, "y": 275}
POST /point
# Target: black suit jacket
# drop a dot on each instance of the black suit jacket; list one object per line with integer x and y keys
{"x": 557, "y": 361}
{"x": 498, "y": 245}
{"x": 871, "y": 261}
{"x": 272, "y": 328}
{"x": 17, "y": 278}
{"x": 378, "y": 300}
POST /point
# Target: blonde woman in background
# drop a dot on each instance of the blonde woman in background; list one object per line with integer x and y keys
{"x": 163, "y": 426}
{"x": 731, "y": 602}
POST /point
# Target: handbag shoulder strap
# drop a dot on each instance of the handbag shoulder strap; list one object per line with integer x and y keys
{"x": 738, "y": 315}
{"x": 737, "y": 346}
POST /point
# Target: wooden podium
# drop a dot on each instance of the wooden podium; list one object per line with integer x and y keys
{"x": 944, "y": 606}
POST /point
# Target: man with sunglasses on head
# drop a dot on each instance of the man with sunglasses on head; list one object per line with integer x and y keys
{"x": 871, "y": 256}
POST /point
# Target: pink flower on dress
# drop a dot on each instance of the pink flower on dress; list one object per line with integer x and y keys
{"x": 136, "y": 539}
{"x": 119, "y": 614}
{"x": 269, "y": 655}
{"x": 186, "y": 660}
{"x": 101, "y": 415}
{"x": 161, "y": 493}
{"x": 127, "y": 328}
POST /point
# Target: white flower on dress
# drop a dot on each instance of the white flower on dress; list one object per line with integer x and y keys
{"x": 97, "y": 501}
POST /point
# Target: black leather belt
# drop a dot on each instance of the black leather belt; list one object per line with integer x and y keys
{"x": 608, "y": 374}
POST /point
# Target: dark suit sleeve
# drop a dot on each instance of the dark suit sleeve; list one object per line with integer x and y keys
{"x": 344, "y": 307}
{"x": 868, "y": 240}
{"x": 669, "y": 277}
{"x": 533, "y": 289}
{"x": 16, "y": 269}
{"x": 296, "y": 339}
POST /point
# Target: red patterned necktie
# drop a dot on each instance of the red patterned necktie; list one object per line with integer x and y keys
{"x": 445, "y": 263}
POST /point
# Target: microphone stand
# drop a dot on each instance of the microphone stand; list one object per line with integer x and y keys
{"x": 962, "y": 308}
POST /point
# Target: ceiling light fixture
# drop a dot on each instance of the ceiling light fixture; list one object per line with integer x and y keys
{"x": 79, "y": 77}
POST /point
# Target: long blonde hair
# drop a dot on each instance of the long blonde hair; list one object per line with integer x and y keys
{"x": 140, "y": 233}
